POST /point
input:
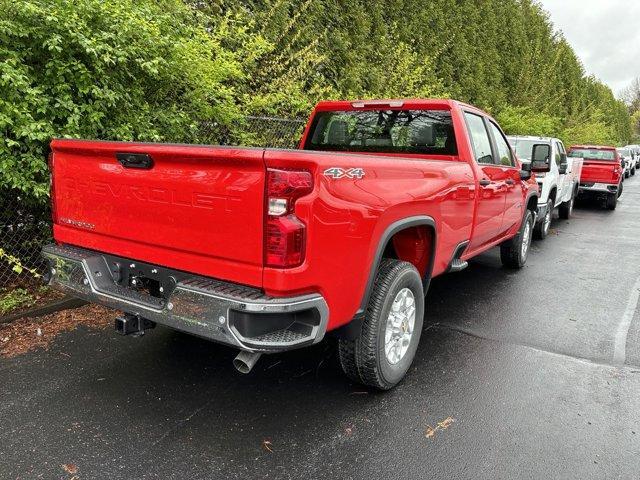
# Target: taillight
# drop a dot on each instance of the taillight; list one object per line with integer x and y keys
{"x": 285, "y": 234}
{"x": 52, "y": 189}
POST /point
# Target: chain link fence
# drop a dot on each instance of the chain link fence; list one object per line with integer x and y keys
{"x": 25, "y": 222}
{"x": 24, "y": 228}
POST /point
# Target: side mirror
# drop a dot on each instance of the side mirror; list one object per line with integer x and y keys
{"x": 525, "y": 171}
{"x": 541, "y": 158}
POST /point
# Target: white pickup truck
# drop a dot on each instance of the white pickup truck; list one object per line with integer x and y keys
{"x": 558, "y": 186}
{"x": 628, "y": 160}
{"x": 635, "y": 154}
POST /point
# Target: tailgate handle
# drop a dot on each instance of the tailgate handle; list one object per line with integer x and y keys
{"x": 135, "y": 160}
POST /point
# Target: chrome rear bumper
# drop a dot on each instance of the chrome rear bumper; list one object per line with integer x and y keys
{"x": 597, "y": 188}
{"x": 236, "y": 315}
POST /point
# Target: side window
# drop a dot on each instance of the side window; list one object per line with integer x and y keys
{"x": 504, "y": 152}
{"x": 479, "y": 138}
{"x": 561, "y": 147}
{"x": 559, "y": 150}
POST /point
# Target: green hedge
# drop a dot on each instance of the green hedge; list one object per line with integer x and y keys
{"x": 125, "y": 69}
{"x": 153, "y": 70}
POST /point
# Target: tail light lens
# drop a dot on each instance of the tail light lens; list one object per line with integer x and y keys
{"x": 285, "y": 234}
{"x": 52, "y": 189}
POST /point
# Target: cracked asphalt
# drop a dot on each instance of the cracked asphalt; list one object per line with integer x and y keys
{"x": 530, "y": 374}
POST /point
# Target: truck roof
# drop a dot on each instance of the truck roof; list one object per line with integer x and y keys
{"x": 392, "y": 102}
{"x": 593, "y": 147}
{"x": 532, "y": 137}
{"x": 409, "y": 103}
{"x": 406, "y": 103}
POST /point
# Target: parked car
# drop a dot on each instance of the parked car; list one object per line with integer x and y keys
{"x": 635, "y": 154}
{"x": 628, "y": 162}
{"x": 602, "y": 173}
{"x": 268, "y": 250}
{"x": 559, "y": 186}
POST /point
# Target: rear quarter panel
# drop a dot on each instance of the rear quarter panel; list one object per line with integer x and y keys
{"x": 346, "y": 219}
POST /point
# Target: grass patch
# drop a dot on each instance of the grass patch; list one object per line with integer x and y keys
{"x": 15, "y": 299}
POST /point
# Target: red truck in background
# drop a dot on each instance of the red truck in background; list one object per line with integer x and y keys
{"x": 602, "y": 173}
{"x": 267, "y": 250}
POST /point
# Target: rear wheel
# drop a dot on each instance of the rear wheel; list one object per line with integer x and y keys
{"x": 542, "y": 228}
{"x": 612, "y": 201}
{"x": 384, "y": 351}
{"x": 633, "y": 171}
{"x": 566, "y": 208}
{"x": 514, "y": 252}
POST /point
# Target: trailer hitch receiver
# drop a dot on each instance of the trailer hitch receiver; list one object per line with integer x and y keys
{"x": 133, "y": 325}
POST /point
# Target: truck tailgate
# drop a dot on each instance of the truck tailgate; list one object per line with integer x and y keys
{"x": 196, "y": 208}
{"x": 598, "y": 171}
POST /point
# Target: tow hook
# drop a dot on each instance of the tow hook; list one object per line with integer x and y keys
{"x": 133, "y": 325}
{"x": 245, "y": 361}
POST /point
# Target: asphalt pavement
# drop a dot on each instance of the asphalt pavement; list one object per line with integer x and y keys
{"x": 529, "y": 374}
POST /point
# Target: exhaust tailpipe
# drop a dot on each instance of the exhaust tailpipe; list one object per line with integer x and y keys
{"x": 245, "y": 361}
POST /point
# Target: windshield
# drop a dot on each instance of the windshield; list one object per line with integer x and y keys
{"x": 625, "y": 153}
{"x": 593, "y": 154}
{"x": 523, "y": 147}
{"x": 384, "y": 131}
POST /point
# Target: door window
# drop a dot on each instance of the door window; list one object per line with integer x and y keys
{"x": 479, "y": 138}
{"x": 505, "y": 157}
{"x": 557, "y": 156}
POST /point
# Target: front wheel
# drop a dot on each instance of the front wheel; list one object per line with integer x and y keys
{"x": 541, "y": 230}
{"x": 566, "y": 208}
{"x": 514, "y": 252}
{"x": 384, "y": 351}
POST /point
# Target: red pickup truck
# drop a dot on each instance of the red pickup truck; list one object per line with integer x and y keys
{"x": 602, "y": 173}
{"x": 268, "y": 250}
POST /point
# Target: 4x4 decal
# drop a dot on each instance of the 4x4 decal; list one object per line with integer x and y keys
{"x": 337, "y": 172}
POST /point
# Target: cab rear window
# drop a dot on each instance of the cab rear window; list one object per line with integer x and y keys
{"x": 592, "y": 154}
{"x": 384, "y": 131}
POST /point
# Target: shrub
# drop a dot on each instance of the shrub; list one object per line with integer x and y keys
{"x": 115, "y": 69}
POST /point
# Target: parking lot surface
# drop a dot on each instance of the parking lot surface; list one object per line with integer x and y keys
{"x": 529, "y": 374}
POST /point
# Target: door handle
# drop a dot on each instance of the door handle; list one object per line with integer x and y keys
{"x": 484, "y": 182}
{"x": 510, "y": 182}
{"x": 135, "y": 160}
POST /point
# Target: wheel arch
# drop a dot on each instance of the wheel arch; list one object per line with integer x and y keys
{"x": 386, "y": 247}
{"x": 352, "y": 329}
{"x": 532, "y": 202}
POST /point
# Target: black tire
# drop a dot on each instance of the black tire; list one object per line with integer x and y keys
{"x": 626, "y": 174}
{"x": 566, "y": 208}
{"x": 620, "y": 189}
{"x": 364, "y": 360}
{"x": 541, "y": 229}
{"x": 612, "y": 201}
{"x": 633, "y": 171}
{"x": 511, "y": 251}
